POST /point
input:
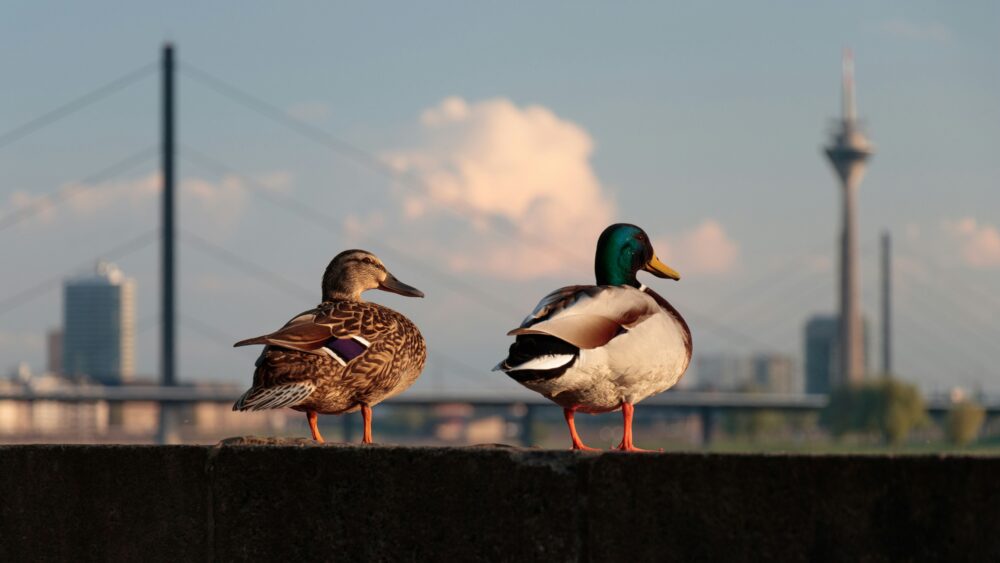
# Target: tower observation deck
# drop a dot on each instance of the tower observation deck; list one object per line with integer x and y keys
{"x": 848, "y": 152}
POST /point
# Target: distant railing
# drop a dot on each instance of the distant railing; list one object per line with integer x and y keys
{"x": 526, "y": 409}
{"x": 201, "y": 394}
{"x": 197, "y": 394}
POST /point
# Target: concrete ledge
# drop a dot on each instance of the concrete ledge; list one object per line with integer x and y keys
{"x": 251, "y": 500}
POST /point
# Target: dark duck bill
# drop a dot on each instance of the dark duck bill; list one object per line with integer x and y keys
{"x": 393, "y": 285}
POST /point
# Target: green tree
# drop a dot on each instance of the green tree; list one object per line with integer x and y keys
{"x": 965, "y": 418}
{"x": 885, "y": 406}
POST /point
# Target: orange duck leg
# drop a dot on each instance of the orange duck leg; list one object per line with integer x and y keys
{"x": 577, "y": 442}
{"x": 626, "y": 445}
{"x": 313, "y": 426}
{"x": 366, "y": 415}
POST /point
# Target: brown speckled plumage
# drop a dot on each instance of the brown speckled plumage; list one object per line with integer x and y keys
{"x": 392, "y": 363}
{"x": 346, "y": 354}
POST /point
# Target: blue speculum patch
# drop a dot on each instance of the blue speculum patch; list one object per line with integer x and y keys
{"x": 346, "y": 348}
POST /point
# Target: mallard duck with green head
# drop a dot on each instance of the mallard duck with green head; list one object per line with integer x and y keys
{"x": 604, "y": 347}
{"x": 343, "y": 356}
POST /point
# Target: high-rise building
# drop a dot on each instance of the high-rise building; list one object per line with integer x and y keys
{"x": 822, "y": 352}
{"x": 99, "y": 325}
{"x": 55, "y": 351}
{"x": 848, "y": 152}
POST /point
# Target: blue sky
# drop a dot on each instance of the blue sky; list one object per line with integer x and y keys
{"x": 703, "y": 124}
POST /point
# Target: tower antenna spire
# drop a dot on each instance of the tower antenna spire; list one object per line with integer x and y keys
{"x": 850, "y": 113}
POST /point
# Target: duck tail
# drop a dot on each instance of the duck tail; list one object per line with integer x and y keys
{"x": 240, "y": 403}
{"x": 251, "y": 341}
{"x": 536, "y": 356}
{"x": 279, "y": 396}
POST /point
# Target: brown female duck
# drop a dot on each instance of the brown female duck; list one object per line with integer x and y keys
{"x": 345, "y": 355}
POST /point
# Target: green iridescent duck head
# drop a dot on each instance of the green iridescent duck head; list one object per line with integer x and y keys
{"x": 623, "y": 250}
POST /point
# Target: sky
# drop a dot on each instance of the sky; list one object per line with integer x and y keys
{"x": 480, "y": 149}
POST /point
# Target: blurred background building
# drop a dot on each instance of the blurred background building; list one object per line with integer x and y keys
{"x": 822, "y": 352}
{"x": 98, "y": 339}
{"x": 759, "y": 373}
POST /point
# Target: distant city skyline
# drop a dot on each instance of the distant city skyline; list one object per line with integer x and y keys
{"x": 700, "y": 124}
{"x": 756, "y": 373}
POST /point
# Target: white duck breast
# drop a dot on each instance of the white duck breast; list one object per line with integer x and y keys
{"x": 631, "y": 347}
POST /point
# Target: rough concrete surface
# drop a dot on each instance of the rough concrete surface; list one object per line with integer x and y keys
{"x": 252, "y": 499}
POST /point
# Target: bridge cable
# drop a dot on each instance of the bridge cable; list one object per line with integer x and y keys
{"x": 72, "y": 189}
{"x": 261, "y": 273}
{"x": 75, "y": 105}
{"x": 329, "y": 222}
{"x": 115, "y": 253}
{"x": 357, "y": 154}
{"x": 751, "y": 305}
{"x": 931, "y": 342}
{"x": 942, "y": 311}
{"x": 966, "y": 285}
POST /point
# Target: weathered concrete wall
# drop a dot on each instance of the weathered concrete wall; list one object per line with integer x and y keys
{"x": 263, "y": 503}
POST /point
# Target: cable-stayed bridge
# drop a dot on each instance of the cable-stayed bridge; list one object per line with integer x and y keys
{"x": 749, "y": 318}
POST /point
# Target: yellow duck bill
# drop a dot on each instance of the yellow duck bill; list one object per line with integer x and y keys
{"x": 661, "y": 270}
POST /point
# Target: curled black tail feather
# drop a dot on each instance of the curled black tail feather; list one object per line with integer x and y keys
{"x": 527, "y": 347}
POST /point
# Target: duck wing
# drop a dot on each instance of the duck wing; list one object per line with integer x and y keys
{"x": 587, "y": 316}
{"x": 567, "y": 320}
{"x": 339, "y": 331}
{"x": 282, "y": 378}
{"x": 364, "y": 338}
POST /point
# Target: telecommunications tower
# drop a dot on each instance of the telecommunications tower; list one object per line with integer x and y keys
{"x": 848, "y": 152}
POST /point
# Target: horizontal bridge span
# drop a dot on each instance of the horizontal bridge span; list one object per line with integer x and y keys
{"x": 196, "y": 394}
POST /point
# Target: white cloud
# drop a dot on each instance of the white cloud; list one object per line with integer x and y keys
{"x": 309, "y": 111}
{"x": 210, "y": 204}
{"x": 279, "y": 182}
{"x": 704, "y": 250}
{"x": 905, "y": 29}
{"x": 496, "y": 163}
{"x": 218, "y": 203}
{"x": 21, "y": 200}
{"x": 83, "y": 200}
{"x": 978, "y": 243}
